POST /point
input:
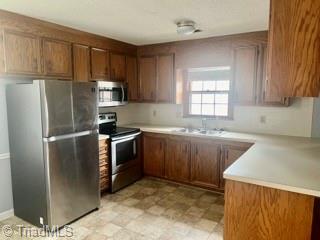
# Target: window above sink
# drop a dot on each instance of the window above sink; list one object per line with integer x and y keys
{"x": 208, "y": 93}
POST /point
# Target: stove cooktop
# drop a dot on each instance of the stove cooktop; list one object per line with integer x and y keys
{"x": 119, "y": 131}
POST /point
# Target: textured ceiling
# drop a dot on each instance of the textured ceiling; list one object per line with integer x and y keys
{"x": 148, "y": 21}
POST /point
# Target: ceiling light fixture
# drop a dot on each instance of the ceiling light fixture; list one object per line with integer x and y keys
{"x": 186, "y": 28}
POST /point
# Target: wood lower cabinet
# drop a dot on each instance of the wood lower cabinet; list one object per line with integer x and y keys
{"x": 22, "y": 53}
{"x": 57, "y": 58}
{"x": 100, "y": 64}
{"x": 205, "y": 163}
{"x": 132, "y": 78}
{"x": 148, "y": 78}
{"x": 118, "y": 67}
{"x": 81, "y": 63}
{"x": 177, "y": 163}
{"x": 104, "y": 165}
{"x": 165, "y": 69}
{"x": 230, "y": 153}
{"x": 257, "y": 212}
{"x": 153, "y": 154}
{"x": 194, "y": 161}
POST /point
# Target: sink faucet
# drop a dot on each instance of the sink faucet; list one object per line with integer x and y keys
{"x": 204, "y": 123}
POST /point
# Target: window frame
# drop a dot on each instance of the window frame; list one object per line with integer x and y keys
{"x": 187, "y": 96}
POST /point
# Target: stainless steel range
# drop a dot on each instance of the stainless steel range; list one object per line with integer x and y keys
{"x": 125, "y": 151}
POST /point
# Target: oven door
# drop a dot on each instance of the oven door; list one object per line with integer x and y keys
{"x": 125, "y": 152}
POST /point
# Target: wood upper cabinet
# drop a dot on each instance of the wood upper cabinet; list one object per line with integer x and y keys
{"x": 132, "y": 78}
{"x": 263, "y": 98}
{"x": 205, "y": 163}
{"x": 118, "y": 67}
{"x": 153, "y": 154}
{"x": 22, "y": 53}
{"x": 294, "y": 49}
{"x": 81, "y": 63}
{"x": 57, "y": 57}
{"x": 147, "y": 78}
{"x": 100, "y": 64}
{"x": 245, "y": 74}
{"x": 230, "y": 153}
{"x": 165, "y": 71}
{"x": 177, "y": 164}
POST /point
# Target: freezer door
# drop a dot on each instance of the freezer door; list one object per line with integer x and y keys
{"x": 85, "y": 106}
{"x": 56, "y": 107}
{"x": 72, "y": 174}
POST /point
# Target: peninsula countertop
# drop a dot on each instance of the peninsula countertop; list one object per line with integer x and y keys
{"x": 281, "y": 162}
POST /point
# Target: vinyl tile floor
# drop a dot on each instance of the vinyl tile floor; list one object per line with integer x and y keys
{"x": 148, "y": 209}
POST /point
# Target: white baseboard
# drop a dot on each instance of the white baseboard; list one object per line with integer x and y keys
{"x": 6, "y": 214}
{"x": 4, "y": 156}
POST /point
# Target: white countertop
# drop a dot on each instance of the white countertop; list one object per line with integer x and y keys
{"x": 281, "y": 162}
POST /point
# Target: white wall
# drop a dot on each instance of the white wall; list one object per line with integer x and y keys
{"x": 295, "y": 120}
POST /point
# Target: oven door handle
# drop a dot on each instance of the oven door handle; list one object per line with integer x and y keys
{"x": 126, "y": 138}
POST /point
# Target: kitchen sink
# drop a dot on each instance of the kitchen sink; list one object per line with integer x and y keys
{"x": 209, "y": 132}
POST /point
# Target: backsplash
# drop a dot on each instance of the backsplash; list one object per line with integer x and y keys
{"x": 295, "y": 120}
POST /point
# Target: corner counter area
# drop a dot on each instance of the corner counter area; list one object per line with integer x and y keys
{"x": 272, "y": 186}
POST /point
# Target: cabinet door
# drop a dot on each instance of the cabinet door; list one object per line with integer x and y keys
{"x": 22, "y": 53}
{"x": 229, "y": 156}
{"x": 165, "y": 66}
{"x": 118, "y": 67}
{"x": 147, "y": 77}
{"x": 153, "y": 155}
{"x": 99, "y": 64}
{"x": 264, "y": 98}
{"x": 177, "y": 164}
{"x": 57, "y": 58}
{"x": 205, "y": 163}
{"x": 245, "y": 74}
{"x": 132, "y": 78}
{"x": 81, "y": 63}
{"x": 294, "y": 49}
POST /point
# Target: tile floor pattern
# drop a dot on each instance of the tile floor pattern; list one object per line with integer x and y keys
{"x": 149, "y": 209}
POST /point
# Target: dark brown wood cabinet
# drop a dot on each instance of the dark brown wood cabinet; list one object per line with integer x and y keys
{"x": 156, "y": 77}
{"x": 249, "y": 77}
{"x": 118, "y": 67}
{"x": 22, "y": 53}
{"x": 165, "y": 76}
{"x": 230, "y": 153}
{"x": 57, "y": 58}
{"x": 205, "y": 163}
{"x": 294, "y": 49}
{"x": 245, "y": 74}
{"x": 100, "y": 64}
{"x": 153, "y": 154}
{"x": 148, "y": 78}
{"x": 81, "y": 63}
{"x": 177, "y": 163}
{"x": 132, "y": 78}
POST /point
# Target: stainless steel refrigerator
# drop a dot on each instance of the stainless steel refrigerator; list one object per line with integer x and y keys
{"x": 53, "y": 132}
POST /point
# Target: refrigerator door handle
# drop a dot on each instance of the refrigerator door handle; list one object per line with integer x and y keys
{"x": 71, "y": 135}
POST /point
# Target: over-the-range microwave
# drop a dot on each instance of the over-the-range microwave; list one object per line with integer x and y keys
{"x": 112, "y": 93}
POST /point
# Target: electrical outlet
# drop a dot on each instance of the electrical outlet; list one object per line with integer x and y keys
{"x": 263, "y": 119}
